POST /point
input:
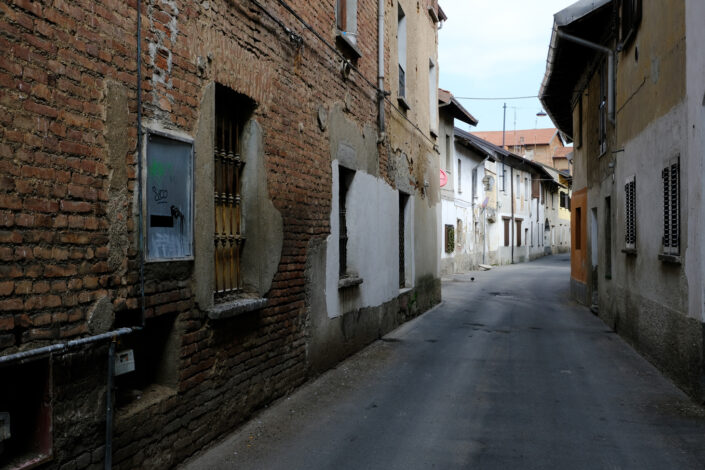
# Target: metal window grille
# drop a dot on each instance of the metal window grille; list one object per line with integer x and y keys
{"x": 630, "y": 213}
{"x": 228, "y": 237}
{"x": 671, "y": 207}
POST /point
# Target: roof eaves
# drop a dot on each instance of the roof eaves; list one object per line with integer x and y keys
{"x": 567, "y": 17}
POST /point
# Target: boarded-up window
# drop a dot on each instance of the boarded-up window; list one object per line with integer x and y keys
{"x": 630, "y": 213}
{"x": 450, "y": 238}
{"x": 671, "y": 207}
{"x": 506, "y": 221}
{"x": 535, "y": 187}
{"x": 518, "y": 233}
{"x": 578, "y": 228}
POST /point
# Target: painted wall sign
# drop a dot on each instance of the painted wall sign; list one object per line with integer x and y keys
{"x": 444, "y": 178}
{"x": 169, "y": 198}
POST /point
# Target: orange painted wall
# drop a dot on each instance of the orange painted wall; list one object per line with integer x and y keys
{"x": 579, "y": 252}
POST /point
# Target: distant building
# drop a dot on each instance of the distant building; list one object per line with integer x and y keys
{"x": 546, "y": 146}
{"x": 498, "y": 207}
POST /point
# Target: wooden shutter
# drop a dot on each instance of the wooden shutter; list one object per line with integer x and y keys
{"x": 670, "y": 177}
{"x": 630, "y": 212}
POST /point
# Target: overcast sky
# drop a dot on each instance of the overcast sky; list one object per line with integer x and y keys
{"x": 497, "y": 48}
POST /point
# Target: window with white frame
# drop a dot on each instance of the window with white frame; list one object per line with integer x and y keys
{"x": 671, "y": 207}
{"x": 630, "y": 213}
{"x": 346, "y": 19}
{"x": 401, "y": 50}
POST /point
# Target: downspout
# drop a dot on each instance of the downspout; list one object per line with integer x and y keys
{"x": 511, "y": 196}
{"x": 109, "y": 408}
{"x": 380, "y": 68}
{"x": 140, "y": 157}
{"x": 511, "y": 184}
{"x": 484, "y": 209}
{"x": 611, "y": 79}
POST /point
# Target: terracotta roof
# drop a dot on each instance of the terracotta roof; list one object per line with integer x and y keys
{"x": 512, "y": 138}
{"x": 562, "y": 152}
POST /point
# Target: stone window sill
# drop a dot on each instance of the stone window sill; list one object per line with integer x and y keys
{"x": 349, "y": 281}
{"x": 403, "y": 103}
{"x": 347, "y": 45}
{"x": 672, "y": 259}
{"x": 629, "y": 251}
{"x": 235, "y": 307}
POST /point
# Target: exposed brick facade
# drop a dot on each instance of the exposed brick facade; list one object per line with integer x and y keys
{"x": 68, "y": 194}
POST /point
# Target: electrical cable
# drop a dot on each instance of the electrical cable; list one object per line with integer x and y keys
{"x": 495, "y": 99}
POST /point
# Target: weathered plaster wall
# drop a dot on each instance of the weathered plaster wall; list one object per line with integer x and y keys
{"x": 694, "y": 170}
{"x": 651, "y": 68}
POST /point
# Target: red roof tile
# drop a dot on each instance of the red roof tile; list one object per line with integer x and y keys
{"x": 562, "y": 152}
{"x": 512, "y": 138}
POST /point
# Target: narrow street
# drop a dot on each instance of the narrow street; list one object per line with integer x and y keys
{"x": 506, "y": 373}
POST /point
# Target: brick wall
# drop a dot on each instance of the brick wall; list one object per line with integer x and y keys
{"x": 68, "y": 156}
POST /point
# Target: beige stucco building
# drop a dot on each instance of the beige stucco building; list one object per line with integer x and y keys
{"x": 632, "y": 100}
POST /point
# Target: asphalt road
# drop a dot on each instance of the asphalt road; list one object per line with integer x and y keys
{"x": 507, "y": 373}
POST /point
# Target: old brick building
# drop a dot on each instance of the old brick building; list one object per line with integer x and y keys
{"x": 215, "y": 191}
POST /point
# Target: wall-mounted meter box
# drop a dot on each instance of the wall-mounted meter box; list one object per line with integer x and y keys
{"x": 124, "y": 362}
{"x": 169, "y": 198}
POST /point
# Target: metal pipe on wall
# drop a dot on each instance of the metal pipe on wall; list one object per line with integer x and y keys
{"x": 380, "y": 67}
{"x": 43, "y": 351}
{"x": 140, "y": 158}
{"x": 109, "y": 408}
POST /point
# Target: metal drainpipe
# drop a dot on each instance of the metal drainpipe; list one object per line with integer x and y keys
{"x": 109, "y": 408}
{"x": 511, "y": 192}
{"x": 55, "y": 348}
{"x": 380, "y": 67}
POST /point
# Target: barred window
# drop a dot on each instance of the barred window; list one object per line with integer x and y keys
{"x": 227, "y": 183}
{"x": 630, "y": 213}
{"x": 671, "y": 207}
